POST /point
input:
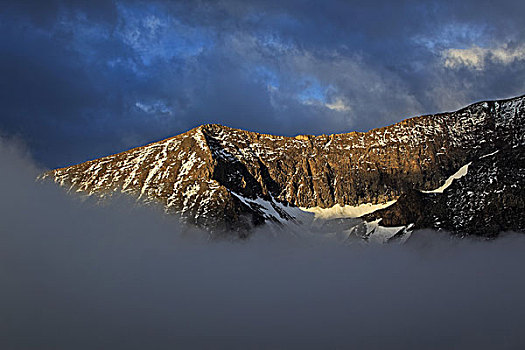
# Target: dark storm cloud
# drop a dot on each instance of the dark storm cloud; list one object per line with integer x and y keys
{"x": 84, "y": 79}
{"x": 79, "y": 276}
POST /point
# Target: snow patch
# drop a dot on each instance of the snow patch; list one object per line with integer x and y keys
{"x": 381, "y": 234}
{"x": 264, "y": 205}
{"x": 457, "y": 175}
{"x": 347, "y": 211}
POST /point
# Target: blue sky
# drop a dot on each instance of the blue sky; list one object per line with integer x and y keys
{"x": 85, "y": 79}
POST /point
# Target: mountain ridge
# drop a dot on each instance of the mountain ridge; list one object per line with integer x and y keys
{"x": 307, "y": 136}
{"x": 217, "y": 176}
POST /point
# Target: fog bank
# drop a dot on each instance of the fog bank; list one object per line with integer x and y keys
{"x": 76, "y": 275}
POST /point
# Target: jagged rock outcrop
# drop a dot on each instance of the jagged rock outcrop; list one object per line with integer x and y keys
{"x": 218, "y": 177}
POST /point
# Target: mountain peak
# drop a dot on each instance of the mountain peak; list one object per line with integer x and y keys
{"x": 216, "y": 176}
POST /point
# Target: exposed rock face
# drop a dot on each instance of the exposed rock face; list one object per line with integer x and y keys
{"x": 489, "y": 199}
{"x": 219, "y": 177}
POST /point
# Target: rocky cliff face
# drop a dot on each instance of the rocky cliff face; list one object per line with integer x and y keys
{"x": 218, "y": 177}
{"x": 488, "y": 200}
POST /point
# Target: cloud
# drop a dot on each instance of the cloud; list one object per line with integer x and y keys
{"x": 338, "y": 105}
{"x": 77, "y": 275}
{"x": 476, "y": 57}
{"x": 157, "y": 107}
{"x": 74, "y": 72}
{"x": 472, "y": 58}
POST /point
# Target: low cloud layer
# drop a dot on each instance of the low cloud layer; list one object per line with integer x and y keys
{"x": 76, "y": 275}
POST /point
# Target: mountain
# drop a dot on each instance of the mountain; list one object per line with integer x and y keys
{"x": 219, "y": 178}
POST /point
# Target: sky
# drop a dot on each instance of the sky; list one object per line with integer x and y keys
{"x": 77, "y": 275}
{"x": 84, "y": 79}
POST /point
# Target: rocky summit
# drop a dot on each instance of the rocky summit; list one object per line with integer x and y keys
{"x": 461, "y": 171}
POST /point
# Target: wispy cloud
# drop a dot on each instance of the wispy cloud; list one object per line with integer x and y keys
{"x": 477, "y": 57}
{"x": 157, "y": 107}
{"x": 338, "y": 105}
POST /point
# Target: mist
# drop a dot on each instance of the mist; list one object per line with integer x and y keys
{"x": 78, "y": 275}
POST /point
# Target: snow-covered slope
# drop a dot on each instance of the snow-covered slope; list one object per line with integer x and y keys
{"x": 218, "y": 177}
